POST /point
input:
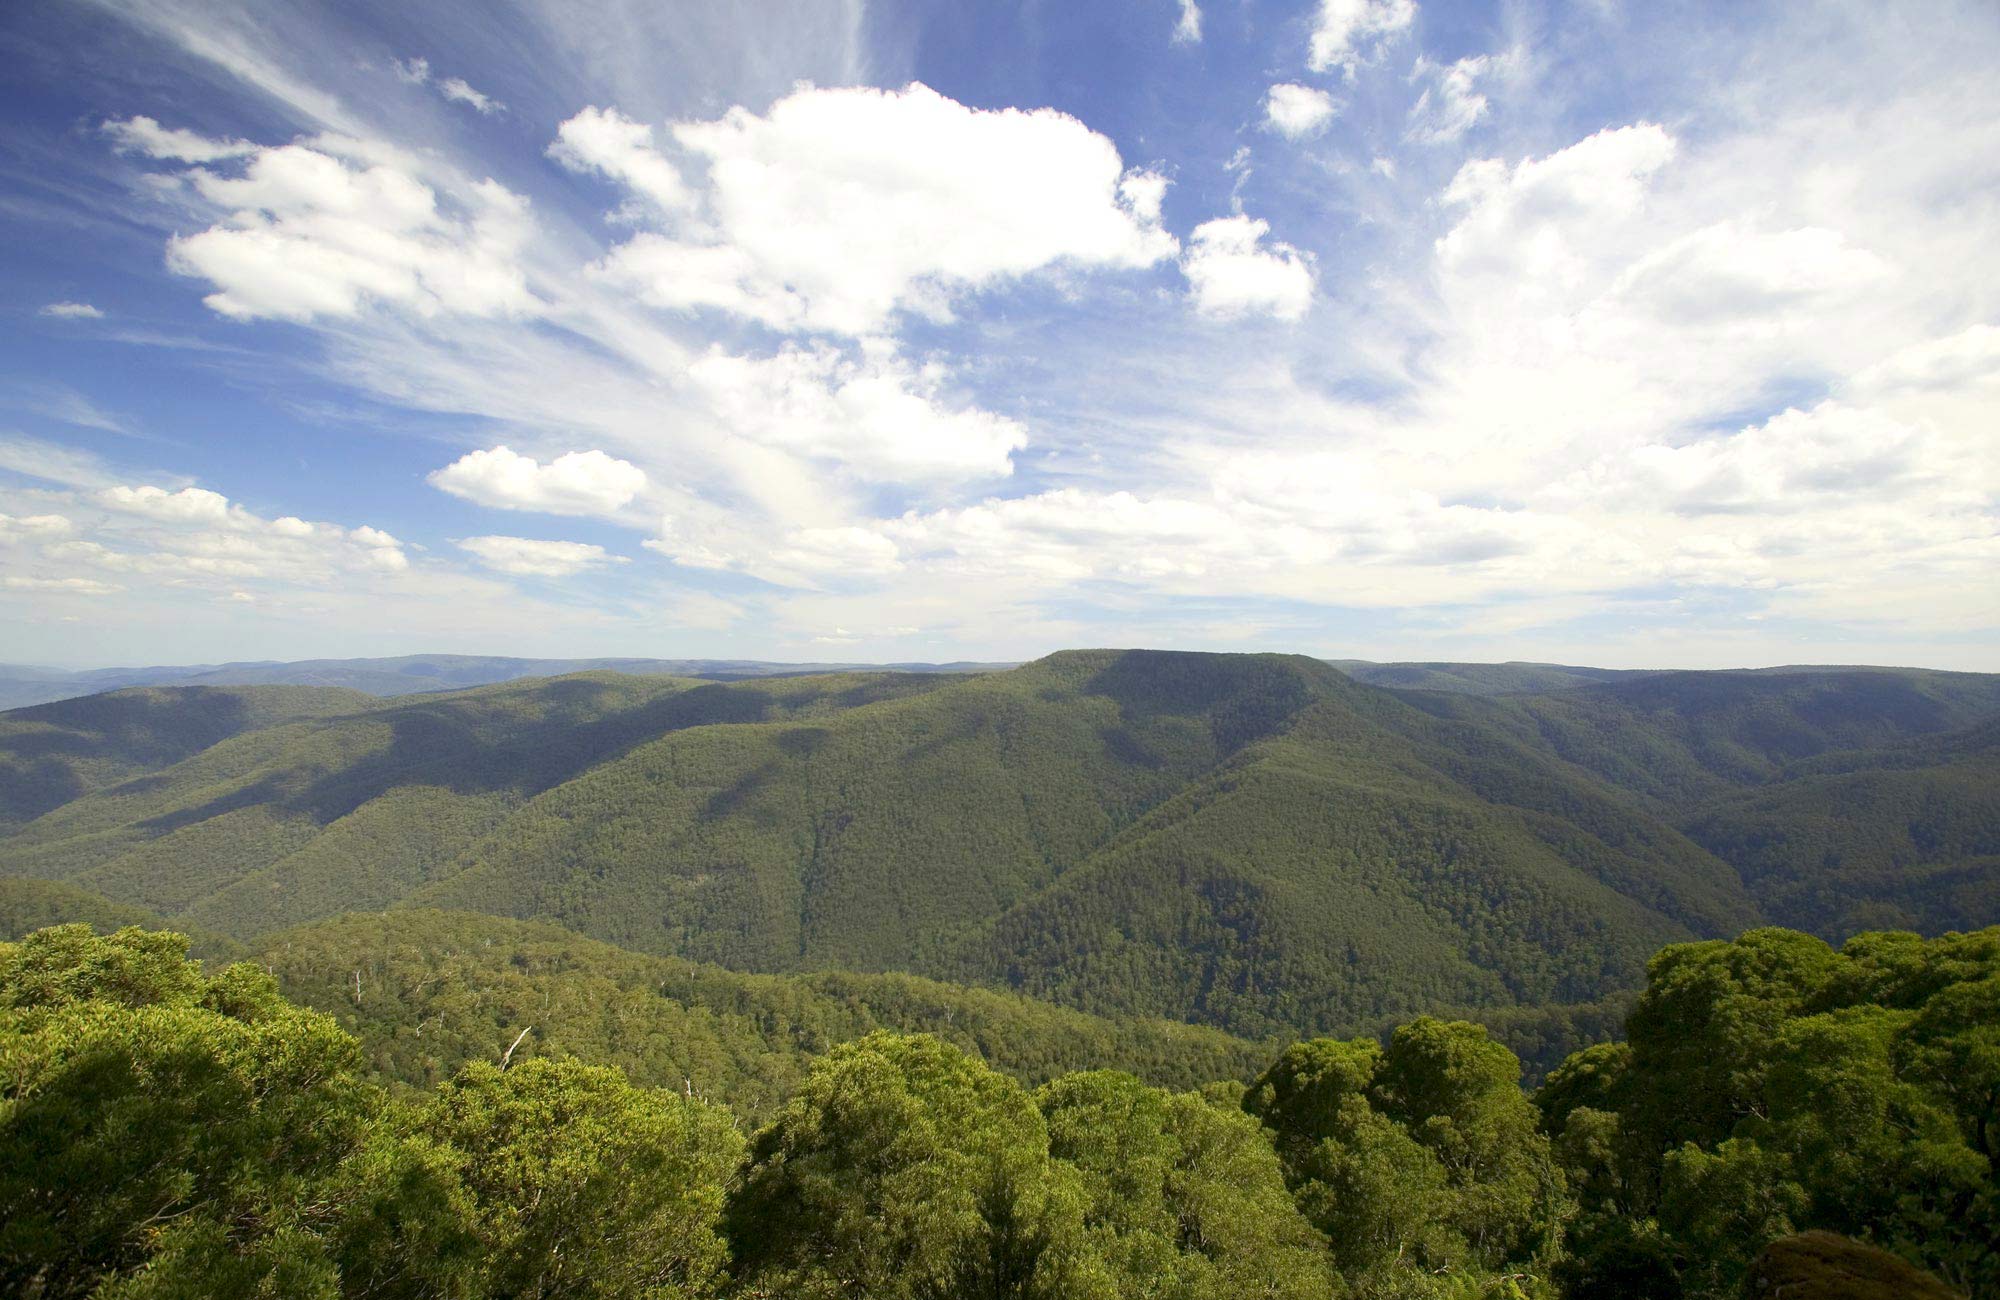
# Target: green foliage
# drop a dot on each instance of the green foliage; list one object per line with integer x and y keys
{"x": 905, "y": 1170}
{"x": 151, "y": 1117}
{"x": 1422, "y": 1164}
{"x": 1183, "y": 1198}
{"x": 168, "y": 1133}
{"x": 1774, "y": 1084}
{"x": 588, "y": 1187}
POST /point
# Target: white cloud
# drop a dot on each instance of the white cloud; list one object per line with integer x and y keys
{"x": 146, "y": 136}
{"x": 1344, "y": 28}
{"x": 1187, "y": 28}
{"x": 456, "y": 90}
{"x": 34, "y": 527}
{"x": 530, "y": 557}
{"x": 329, "y": 228}
{"x": 189, "y": 505}
{"x": 1795, "y": 461}
{"x": 1732, "y": 272}
{"x": 875, "y": 416}
{"x": 1296, "y": 111}
{"x": 605, "y": 141}
{"x": 64, "y": 586}
{"x": 198, "y": 533}
{"x": 665, "y": 272}
{"x": 72, "y": 311}
{"x": 836, "y": 209}
{"x": 1968, "y": 359}
{"x": 850, "y": 551}
{"x": 417, "y": 72}
{"x": 1522, "y": 219}
{"x": 53, "y": 463}
{"x": 575, "y": 483}
{"x": 1234, "y": 273}
{"x": 1452, "y": 105}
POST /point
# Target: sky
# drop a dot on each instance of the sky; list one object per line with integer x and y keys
{"x": 1605, "y": 332}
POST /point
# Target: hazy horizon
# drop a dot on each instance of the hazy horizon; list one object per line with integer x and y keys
{"x": 845, "y": 661}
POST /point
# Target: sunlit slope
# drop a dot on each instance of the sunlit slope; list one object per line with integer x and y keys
{"x": 875, "y": 837}
{"x": 299, "y": 820}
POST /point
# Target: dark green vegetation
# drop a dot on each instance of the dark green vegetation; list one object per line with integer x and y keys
{"x": 1773, "y": 1084}
{"x": 426, "y": 992}
{"x": 171, "y": 1131}
{"x": 1257, "y": 843}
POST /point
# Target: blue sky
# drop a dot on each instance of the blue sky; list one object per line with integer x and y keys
{"x": 1617, "y": 333}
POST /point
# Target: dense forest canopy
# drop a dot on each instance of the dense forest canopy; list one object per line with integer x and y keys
{"x": 173, "y": 1130}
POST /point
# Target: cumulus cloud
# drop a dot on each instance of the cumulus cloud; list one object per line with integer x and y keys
{"x": 188, "y": 505}
{"x": 1296, "y": 111}
{"x": 1343, "y": 30}
{"x": 605, "y": 141}
{"x": 534, "y": 558}
{"x": 72, "y": 311}
{"x": 327, "y": 228}
{"x": 875, "y": 415}
{"x": 34, "y": 527}
{"x": 1233, "y": 272}
{"x": 1520, "y": 218}
{"x": 575, "y": 483}
{"x": 1187, "y": 28}
{"x": 1452, "y": 105}
{"x": 194, "y": 531}
{"x": 836, "y": 209}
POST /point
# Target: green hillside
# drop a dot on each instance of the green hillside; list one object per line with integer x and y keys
{"x": 1254, "y": 842}
{"x": 54, "y": 753}
{"x": 438, "y": 989}
{"x": 1906, "y": 837}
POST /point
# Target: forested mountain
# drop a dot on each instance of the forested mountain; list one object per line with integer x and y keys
{"x": 1258, "y": 843}
{"x": 54, "y": 753}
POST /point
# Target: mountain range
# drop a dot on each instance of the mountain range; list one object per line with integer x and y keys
{"x": 1268, "y": 845}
